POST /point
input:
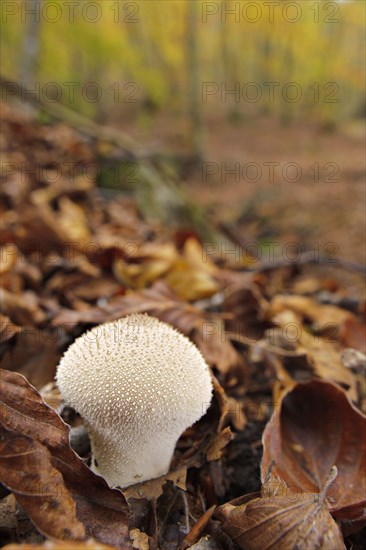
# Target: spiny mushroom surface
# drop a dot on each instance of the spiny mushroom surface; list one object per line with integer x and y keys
{"x": 138, "y": 384}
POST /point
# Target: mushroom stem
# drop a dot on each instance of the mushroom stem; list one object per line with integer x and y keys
{"x": 113, "y": 460}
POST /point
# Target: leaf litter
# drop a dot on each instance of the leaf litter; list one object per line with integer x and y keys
{"x": 70, "y": 259}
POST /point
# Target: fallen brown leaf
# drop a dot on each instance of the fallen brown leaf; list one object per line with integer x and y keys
{"x": 52, "y": 545}
{"x": 21, "y": 308}
{"x": 222, "y": 439}
{"x": 325, "y": 316}
{"x": 7, "y": 329}
{"x": 353, "y": 334}
{"x": 215, "y": 345}
{"x": 291, "y": 521}
{"x": 327, "y": 363}
{"x": 153, "y": 488}
{"x": 34, "y": 354}
{"x": 102, "y": 511}
{"x": 140, "y": 540}
{"x": 314, "y": 427}
{"x": 26, "y": 470}
{"x": 159, "y": 301}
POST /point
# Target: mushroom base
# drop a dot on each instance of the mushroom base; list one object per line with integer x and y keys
{"x": 125, "y": 462}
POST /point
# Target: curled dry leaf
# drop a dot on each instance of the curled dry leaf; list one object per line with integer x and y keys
{"x": 326, "y": 362}
{"x": 102, "y": 511}
{"x": 221, "y": 440}
{"x": 187, "y": 274}
{"x": 321, "y": 353}
{"x": 314, "y": 427}
{"x": 287, "y": 521}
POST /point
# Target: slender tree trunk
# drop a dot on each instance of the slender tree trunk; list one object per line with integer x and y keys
{"x": 29, "y": 61}
{"x": 193, "y": 80}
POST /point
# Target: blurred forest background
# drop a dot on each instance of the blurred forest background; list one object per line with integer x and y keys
{"x": 215, "y": 92}
{"x": 157, "y": 48}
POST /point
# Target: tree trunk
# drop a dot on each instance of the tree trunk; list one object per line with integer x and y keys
{"x": 194, "y": 84}
{"x": 29, "y": 61}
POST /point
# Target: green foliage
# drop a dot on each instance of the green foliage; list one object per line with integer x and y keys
{"x": 137, "y": 54}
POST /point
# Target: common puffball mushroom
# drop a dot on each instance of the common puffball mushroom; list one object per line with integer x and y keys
{"x": 138, "y": 384}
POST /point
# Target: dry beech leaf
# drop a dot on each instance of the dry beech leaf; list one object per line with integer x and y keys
{"x": 314, "y": 427}
{"x": 353, "y": 334}
{"x": 188, "y": 275}
{"x": 287, "y": 521}
{"x": 221, "y": 440}
{"x": 215, "y": 345}
{"x": 191, "y": 283}
{"x": 197, "y": 258}
{"x": 327, "y": 362}
{"x": 36, "y": 353}
{"x": 26, "y": 470}
{"x": 140, "y": 539}
{"x": 231, "y": 410}
{"x": 247, "y": 306}
{"x": 325, "y": 316}
{"x": 140, "y": 275}
{"x": 320, "y": 354}
{"x": 7, "y": 329}
{"x": 72, "y": 222}
{"x": 90, "y": 544}
{"x": 9, "y": 256}
{"x": 151, "y": 262}
{"x": 153, "y": 488}
{"x": 21, "y": 308}
{"x": 159, "y": 301}
{"x": 102, "y": 511}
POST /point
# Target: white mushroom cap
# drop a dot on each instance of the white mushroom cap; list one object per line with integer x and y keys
{"x": 138, "y": 383}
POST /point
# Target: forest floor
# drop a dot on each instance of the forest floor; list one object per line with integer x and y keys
{"x": 287, "y": 183}
{"x": 285, "y": 343}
